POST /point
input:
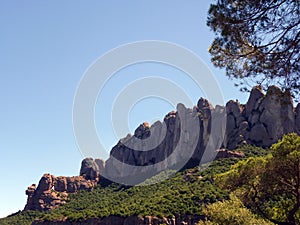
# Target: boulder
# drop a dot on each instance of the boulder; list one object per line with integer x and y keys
{"x": 89, "y": 169}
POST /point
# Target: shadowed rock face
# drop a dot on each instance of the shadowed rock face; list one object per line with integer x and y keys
{"x": 158, "y": 147}
{"x": 270, "y": 118}
{"x": 91, "y": 169}
{"x": 262, "y": 121}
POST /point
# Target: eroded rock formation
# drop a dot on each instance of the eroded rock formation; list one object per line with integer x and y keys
{"x": 262, "y": 121}
{"x": 270, "y": 117}
{"x": 91, "y": 169}
{"x": 53, "y": 191}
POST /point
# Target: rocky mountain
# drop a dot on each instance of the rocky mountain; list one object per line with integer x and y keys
{"x": 188, "y": 137}
{"x": 185, "y": 138}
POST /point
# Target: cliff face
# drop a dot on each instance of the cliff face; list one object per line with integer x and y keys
{"x": 186, "y": 138}
{"x": 200, "y": 131}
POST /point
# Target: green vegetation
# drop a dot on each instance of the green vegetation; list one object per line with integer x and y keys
{"x": 22, "y": 218}
{"x": 184, "y": 193}
{"x": 270, "y": 185}
{"x": 262, "y": 188}
{"x": 231, "y": 212}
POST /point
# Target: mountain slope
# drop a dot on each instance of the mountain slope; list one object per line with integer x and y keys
{"x": 180, "y": 197}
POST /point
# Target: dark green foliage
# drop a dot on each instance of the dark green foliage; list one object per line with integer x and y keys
{"x": 180, "y": 194}
{"x": 257, "y": 41}
{"x": 22, "y": 218}
{"x": 253, "y": 151}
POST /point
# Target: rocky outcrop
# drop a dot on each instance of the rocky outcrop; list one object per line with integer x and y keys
{"x": 262, "y": 121}
{"x": 272, "y": 116}
{"x": 163, "y": 145}
{"x": 198, "y": 132}
{"x": 91, "y": 169}
{"x": 53, "y": 191}
{"x": 44, "y": 197}
{"x": 131, "y": 220}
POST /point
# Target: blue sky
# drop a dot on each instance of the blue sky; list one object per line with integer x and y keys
{"x": 45, "y": 48}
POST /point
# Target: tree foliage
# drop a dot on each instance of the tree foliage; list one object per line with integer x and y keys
{"x": 231, "y": 212}
{"x": 257, "y": 41}
{"x": 283, "y": 172}
{"x": 269, "y": 185}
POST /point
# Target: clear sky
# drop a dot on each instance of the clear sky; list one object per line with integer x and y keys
{"x": 45, "y": 48}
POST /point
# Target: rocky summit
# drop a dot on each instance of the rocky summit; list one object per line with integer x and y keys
{"x": 185, "y": 138}
{"x": 200, "y": 131}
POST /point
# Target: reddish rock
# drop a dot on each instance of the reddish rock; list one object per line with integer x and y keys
{"x": 53, "y": 191}
{"x": 46, "y": 182}
{"x": 60, "y": 184}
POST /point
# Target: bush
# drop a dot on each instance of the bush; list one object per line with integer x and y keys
{"x": 231, "y": 212}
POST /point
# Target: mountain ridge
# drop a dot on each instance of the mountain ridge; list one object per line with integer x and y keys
{"x": 262, "y": 121}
